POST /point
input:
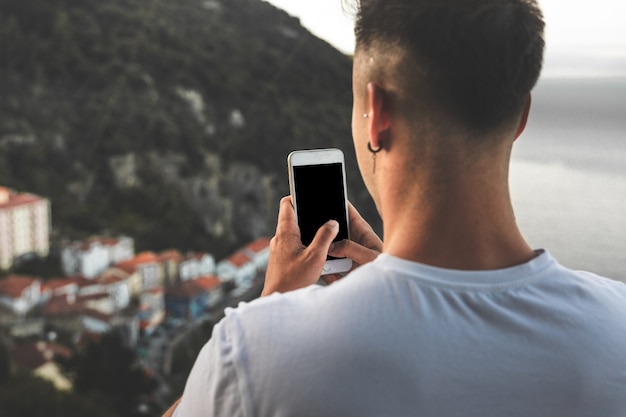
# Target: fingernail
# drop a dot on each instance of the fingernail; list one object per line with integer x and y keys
{"x": 333, "y": 224}
{"x": 331, "y": 247}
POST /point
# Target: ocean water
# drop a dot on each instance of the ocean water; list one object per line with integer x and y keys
{"x": 568, "y": 174}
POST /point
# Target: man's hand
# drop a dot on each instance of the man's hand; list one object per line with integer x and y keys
{"x": 363, "y": 247}
{"x": 292, "y": 265}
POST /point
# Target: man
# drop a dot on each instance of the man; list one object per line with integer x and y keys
{"x": 458, "y": 316}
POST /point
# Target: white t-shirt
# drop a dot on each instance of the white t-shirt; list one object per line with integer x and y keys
{"x": 398, "y": 338}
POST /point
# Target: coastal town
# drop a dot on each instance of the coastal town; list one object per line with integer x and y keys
{"x": 149, "y": 299}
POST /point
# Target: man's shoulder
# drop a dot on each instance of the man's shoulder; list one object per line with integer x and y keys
{"x": 358, "y": 283}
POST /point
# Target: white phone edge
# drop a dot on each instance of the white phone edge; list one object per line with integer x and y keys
{"x": 314, "y": 157}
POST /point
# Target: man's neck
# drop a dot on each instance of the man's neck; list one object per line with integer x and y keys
{"x": 453, "y": 218}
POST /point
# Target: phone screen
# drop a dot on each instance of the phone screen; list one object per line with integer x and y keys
{"x": 320, "y": 197}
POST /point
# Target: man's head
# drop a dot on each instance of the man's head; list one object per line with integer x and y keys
{"x": 467, "y": 62}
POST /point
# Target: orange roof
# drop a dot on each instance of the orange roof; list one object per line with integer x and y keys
{"x": 14, "y": 285}
{"x": 258, "y": 245}
{"x": 207, "y": 282}
{"x": 131, "y": 265}
{"x": 239, "y": 259}
{"x": 145, "y": 257}
{"x": 170, "y": 255}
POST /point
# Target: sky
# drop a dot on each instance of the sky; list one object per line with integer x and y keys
{"x": 585, "y": 38}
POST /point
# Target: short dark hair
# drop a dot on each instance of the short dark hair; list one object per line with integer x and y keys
{"x": 481, "y": 58}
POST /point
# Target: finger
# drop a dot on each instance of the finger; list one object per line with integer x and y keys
{"x": 286, "y": 222}
{"x": 329, "y": 279}
{"x": 349, "y": 249}
{"x": 361, "y": 231}
{"x": 324, "y": 237}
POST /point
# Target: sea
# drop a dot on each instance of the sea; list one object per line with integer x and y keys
{"x": 568, "y": 174}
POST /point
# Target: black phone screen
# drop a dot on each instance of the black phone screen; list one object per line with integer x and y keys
{"x": 320, "y": 197}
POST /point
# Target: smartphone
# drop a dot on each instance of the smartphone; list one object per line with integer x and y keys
{"x": 317, "y": 180}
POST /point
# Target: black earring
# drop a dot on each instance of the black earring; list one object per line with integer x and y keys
{"x": 374, "y": 152}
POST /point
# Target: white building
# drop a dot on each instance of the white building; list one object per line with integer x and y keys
{"x": 238, "y": 268}
{"x": 196, "y": 265}
{"x": 20, "y": 293}
{"x": 24, "y": 226}
{"x": 94, "y": 255}
{"x": 259, "y": 252}
{"x": 115, "y": 282}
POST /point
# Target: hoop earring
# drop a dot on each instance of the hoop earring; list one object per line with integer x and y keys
{"x": 374, "y": 152}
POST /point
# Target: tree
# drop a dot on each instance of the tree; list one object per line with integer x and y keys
{"x": 110, "y": 369}
{"x": 26, "y": 395}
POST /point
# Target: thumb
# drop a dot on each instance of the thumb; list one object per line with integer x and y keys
{"x": 324, "y": 237}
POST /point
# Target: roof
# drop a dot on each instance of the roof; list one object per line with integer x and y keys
{"x": 63, "y": 305}
{"x": 14, "y": 285}
{"x": 56, "y": 283}
{"x": 112, "y": 276}
{"x": 170, "y": 255}
{"x": 258, "y": 245}
{"x": 95, "y": 314}
{"x": 95, "y": 296}
{"x": 32, "y": 355}
{"x": 83, "y": 282}
{"x": 188, "y": 289}
{"x": 131, "y": 265}
{"x": 15, "y": 199}
{"x": 239, "y": 259}
{"x": 207, "y": 282}
{"x": 74, "y": 306}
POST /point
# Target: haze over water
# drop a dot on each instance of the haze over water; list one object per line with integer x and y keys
{"x": 568, "y": 175}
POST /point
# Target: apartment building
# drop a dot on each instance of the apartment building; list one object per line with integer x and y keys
{"x": 24, "y": 226}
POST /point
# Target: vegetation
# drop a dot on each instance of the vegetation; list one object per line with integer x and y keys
{"x": 110, "y": 370}
{"x": 84, "y": 81}
{"x": 26, "y": 395}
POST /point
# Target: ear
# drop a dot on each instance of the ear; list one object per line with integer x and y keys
{"x": 524, "y": 119}
{"x": 378, "y": 104}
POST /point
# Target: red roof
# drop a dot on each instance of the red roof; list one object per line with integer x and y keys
{"x": 239, "y": 259}
{"x": 55, "y": 284}
{"x": 15, "y": 200}
{"x": 14, "y": 285}
{"x": 112, "y": 276}
{"x": 34, "y": 354}
{"x": 63, "y": 305}
{"x": 83, "y": 282}
{"x": 105, "y": 240}
{"x": 258, "y": 245}
{"x": 71, "y": 305}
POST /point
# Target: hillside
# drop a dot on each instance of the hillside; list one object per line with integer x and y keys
{"x": 169, "y": 121}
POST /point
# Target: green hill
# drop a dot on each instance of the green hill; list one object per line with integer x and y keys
{"x": 169, "y": 121}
